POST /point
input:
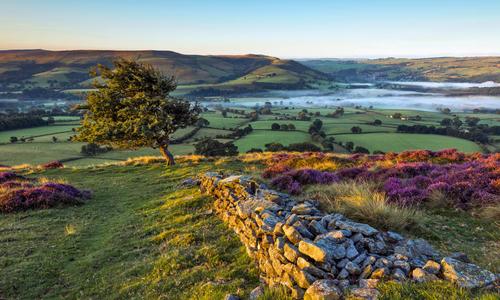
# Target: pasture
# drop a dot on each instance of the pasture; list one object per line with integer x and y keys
{"x": 397, "y": 142}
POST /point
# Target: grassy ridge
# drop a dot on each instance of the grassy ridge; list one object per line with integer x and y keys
{"x": 467, "y": 69}
{"x": 140, "y": 236}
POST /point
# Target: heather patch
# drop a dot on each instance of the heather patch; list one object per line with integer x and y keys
{"x": 410, "y": 178}
{"x": 18, "y": 193}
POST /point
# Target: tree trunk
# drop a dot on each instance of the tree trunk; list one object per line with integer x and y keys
{"x": 168, "y": 156}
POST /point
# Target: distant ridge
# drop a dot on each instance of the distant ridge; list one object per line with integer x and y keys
{"x": 70, "y": 67}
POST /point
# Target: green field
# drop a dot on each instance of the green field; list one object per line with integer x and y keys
{"x": 397, "y": 142}
{"x": 258, "y": 138}
{"x": 35, "y": 131}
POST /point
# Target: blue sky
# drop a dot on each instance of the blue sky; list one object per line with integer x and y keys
{"x": 294, "y": 29}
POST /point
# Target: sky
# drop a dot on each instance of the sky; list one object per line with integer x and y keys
{"x": 287, "y": 29}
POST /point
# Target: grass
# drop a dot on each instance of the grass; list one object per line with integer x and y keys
{"x": 257, "y": 139}
{"x": 361, "y": 201}
{"x": 140, "y": 236}
{"x": 429, "y": 291}
{"x": 397, "y": 142}
{"x": 143, "y": 236}
{"x": 34, "y": 131}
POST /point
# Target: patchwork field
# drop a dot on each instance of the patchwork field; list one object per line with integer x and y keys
{"x": 408, "y": 141}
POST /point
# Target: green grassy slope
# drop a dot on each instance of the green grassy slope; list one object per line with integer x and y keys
{"x": 143, "y": 236}
{"x": 461, "y": 69}
{"x": 39, "y": 67}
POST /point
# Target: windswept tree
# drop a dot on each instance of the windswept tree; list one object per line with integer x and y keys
{"x": 132, "y": 108}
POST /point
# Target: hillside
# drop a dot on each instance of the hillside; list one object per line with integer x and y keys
{"x": 147, "y": 232}
{"x": 44, "y": 68}
{"x": 439, "y": 69}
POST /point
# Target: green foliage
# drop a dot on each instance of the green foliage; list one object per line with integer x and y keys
{"x": 361, "y": 201}
{"x": 437, "y": 290}
{"x": 132, "y": 108}
{"x": 211, "y": 147}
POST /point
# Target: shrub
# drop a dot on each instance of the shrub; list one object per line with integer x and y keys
{"x": 18, "y": 193}
{"x": 52, "y": 165}
{"x": 211, "y": 147}
{"x": 363, "y": 202}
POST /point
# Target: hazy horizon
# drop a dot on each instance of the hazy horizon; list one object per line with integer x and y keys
{"x": 285, "y": 29}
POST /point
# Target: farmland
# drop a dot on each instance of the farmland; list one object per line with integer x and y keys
{"x": 383, "y": 137}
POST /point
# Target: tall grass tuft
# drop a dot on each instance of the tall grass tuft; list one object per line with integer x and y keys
{"x": 361, "y": 201}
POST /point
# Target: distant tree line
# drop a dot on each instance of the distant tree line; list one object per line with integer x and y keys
{"x": 476, "y": 134}
{"x": 19, "y": 121}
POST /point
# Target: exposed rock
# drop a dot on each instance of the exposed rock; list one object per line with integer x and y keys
{"x": 432, "y": 267}
{"x": 398, "y": 274}
{"x": 460, "y": 256}
{"x": 380, "y": 273}
{"x": 466, "y": 274}
{"x": 313, "y": 251}
{"x": 256, "y": 293}
{"x": 417, "y": 249}
{"x": 291, "y": 252}
{"x": 292, "y": 234}
{"x": 364, "y": 229}
{"x": 352, "y": 268}
{"x": 324, "y": 289}
{"x": 368, "y": 283}
{"x": 367, "y": 271}
{"x": 231, "y": 297}
{"x": 364, "y": 293}
{"x": 419, "y": 275}
{"x": 394, "y": 237}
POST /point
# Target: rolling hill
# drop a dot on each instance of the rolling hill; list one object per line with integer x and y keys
{"x": 44, "y": 68}
{"x": 451, "y": 69}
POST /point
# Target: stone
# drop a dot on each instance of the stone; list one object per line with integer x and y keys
{"x": 370, "y": 260}
{"x": 380, "y": 273}
{"x": 364, "y": 293}
{"x": 357, "y": 237}
{"x": 341, "y": 264}
{"x": 307, "y": 266}
{"x": 367, "y": 271}
{"x": 291, "y": 252}
{"x": 460, "y": 256}
{"x": 304, "y": 209}
{"x": 312, "y": 250}
{"x": 291, "y": 219}
{"x": 352, "y": 268}
{"x": 419, "y": 275}
{"x": 383, "y": 262}
{"x": 360, "y": 259}
{"x": 375, "y": 246}
{"x": 317, "y": 228}
{"x": 297, "y": 292}
{"x": 302, "y": 229}
{"x": 368, "y": 283}
{"x": 351, "y": 250}
{"x": 279, "y": 244}
{"x": 432, "y": 267}
{"x": 344, "y": 285}
{"x": 394, "y": 237}
{"x": 403, "y": 265}
{"x": 343, "y": 274}
{"x": 303, "y": 278}
{"x": 334, "y": 250}
{"x": 292, "y": 234}
{"x": 324, "y": 289}
{"x": 466, "y": 274}
{"x": 417, "y": 249}
{"x": 364, "y": 229}
{"x": 231, "y": 297}
{"x": 398, "y": 274}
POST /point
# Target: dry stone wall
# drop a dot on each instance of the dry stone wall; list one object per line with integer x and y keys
{"x": 322, "y": 256}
